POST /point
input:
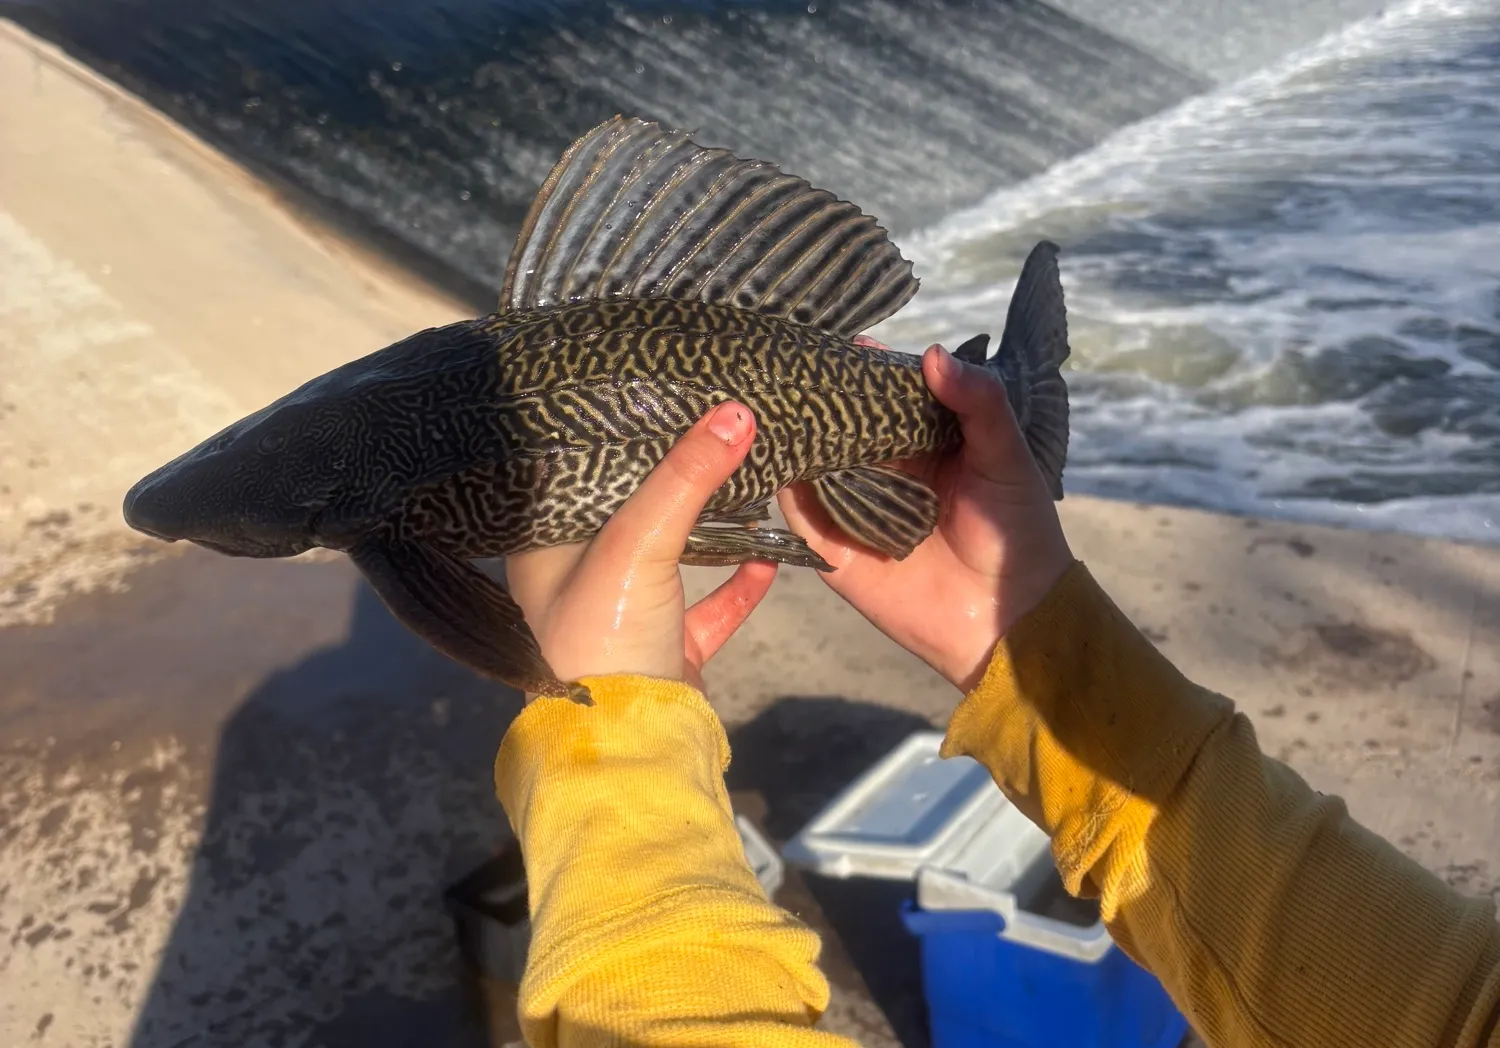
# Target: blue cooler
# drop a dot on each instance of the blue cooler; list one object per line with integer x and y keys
{"x": 1008, "y": 959}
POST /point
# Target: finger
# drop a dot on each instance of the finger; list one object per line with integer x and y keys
{"x": 715, "y": 618}
{"x": 992, "y": 440}
{"x": 870, "y": 343}
{"x": 655, "y": 521}
{"x": 535, "y": 577}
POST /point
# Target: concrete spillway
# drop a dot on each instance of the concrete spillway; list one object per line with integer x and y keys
{"x": 431, "y": 125}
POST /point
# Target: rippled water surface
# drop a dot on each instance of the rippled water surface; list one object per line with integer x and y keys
{"x": 1284, "y": 297}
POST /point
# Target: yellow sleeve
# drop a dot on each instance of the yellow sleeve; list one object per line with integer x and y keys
{"x": 648, "y": 925}
{"x": 1271, "y": 917}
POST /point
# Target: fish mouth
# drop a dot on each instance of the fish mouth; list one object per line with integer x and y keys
{"x": 256, "y": 551}
{"x": 324, "y": 532}
{"x": 146, "y": 511}
{"x": 133, "y": 519}
{"x": 240, "y": 549}
{"x": 154, "y": 534}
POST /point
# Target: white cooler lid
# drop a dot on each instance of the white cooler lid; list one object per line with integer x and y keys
{"x": 946, "y": 826}
{"x": 912, "y": 809}
{"x": 761, "y": 856}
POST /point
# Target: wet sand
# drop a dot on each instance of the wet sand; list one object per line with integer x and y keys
{"x": 231, "y": 792}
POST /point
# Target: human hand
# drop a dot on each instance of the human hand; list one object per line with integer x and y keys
{"x": 615, "y": 604}
{"x": 997, "y": 550}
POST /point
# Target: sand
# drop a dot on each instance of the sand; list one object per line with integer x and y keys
{"x": 231, "y": 792}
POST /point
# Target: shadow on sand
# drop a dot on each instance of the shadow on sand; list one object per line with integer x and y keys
{"x": 349, "y": 789}
{"x": 352, "y": 787}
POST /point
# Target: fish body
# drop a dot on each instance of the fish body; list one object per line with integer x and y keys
{"x": 584, "y": 401}
{"x": 652, "y": 280}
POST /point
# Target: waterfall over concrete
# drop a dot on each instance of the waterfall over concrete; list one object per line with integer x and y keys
{"x": 430, "y": 125}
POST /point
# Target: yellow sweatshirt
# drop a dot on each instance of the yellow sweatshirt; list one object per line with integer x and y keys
{"x": 1270, "y": 916}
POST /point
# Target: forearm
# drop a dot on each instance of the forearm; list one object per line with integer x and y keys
{"x": 648, "y": 925}
{"x": 1270, "y": 916}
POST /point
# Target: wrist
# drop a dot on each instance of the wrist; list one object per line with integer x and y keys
{"x": 631, "y": 716}
{"x": 997, "y": 605}
{"x": 604, "y": 656}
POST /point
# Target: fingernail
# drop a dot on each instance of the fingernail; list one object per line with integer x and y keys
{"x": 946, "y": 365}
{"x": 730, "y": 423}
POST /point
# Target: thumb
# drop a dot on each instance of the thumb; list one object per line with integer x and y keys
{"x": 993, "y": 444}
{"x": 655, "y": 521}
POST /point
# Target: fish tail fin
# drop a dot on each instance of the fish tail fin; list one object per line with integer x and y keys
{"x": 1029, "y": 362}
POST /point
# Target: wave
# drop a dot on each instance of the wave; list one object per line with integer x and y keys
{"x": 1284, "y": 295}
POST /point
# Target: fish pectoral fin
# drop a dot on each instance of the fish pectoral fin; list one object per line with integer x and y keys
{"x": 748, "y": 515}
{"x": 460, "y": 611}
{"x": 710, "y": 547}
{"x": 880, "y": 506}
{"x": 973, "y": 351}
{"x": 635, "y": 211}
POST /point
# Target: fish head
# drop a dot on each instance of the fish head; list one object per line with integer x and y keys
{"x": 261, "y": 487}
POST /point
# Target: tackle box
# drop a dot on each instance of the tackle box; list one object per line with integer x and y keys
{"x": 1008, "y": 959}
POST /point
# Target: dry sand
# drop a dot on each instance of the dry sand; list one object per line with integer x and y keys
{"x": 231, "y": 792}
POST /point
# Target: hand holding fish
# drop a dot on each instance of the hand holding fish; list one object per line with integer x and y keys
{"x": 615, "y": 604}
{"x": 996, "y": 551}
{"x": 677, "y": 340}
{"x": 652, "y": 279}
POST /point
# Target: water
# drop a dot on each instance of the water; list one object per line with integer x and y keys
{"x": 1284, "y": 296}
{"x": 433, "y": 122}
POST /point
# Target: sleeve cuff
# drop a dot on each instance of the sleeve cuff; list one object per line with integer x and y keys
{"x": 1078, "y": 715}
{"x": 631, "y": 853}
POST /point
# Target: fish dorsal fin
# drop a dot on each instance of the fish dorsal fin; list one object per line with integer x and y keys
{"x": 973, "y": 351}
{"x": 635, "y": 211}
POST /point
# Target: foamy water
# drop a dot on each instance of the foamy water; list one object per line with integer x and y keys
{"x": 1285, "y": 296}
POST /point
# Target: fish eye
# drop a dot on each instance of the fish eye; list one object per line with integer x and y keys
{"x": 272, "y": 442}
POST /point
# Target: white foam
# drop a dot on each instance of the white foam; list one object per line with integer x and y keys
{"x": 1211, "y": 253}
{"x": 1133, "y": 160}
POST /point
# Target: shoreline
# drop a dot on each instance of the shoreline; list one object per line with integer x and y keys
{"x": 204, "y": 749}
{"x": 329, "y": 220}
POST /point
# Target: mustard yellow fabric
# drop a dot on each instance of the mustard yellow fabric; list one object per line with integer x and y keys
{"x": 1273, "y": 919}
